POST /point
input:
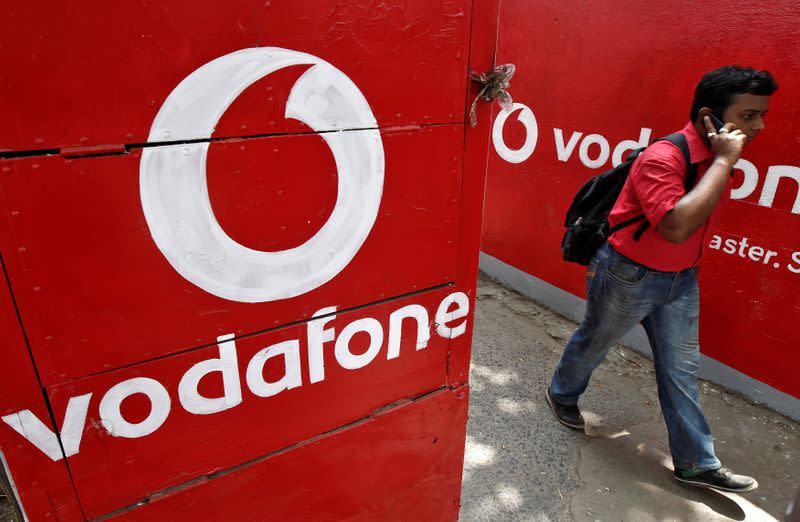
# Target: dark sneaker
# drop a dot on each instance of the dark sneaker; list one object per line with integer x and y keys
{"x": 566, "y": 415}
{"x": 720, "y": 478}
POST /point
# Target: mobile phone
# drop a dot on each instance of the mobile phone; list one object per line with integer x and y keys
{"x": 716, "y": 122}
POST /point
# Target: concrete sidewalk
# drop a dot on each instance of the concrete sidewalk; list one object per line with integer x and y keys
{"x": 521, "y": 464}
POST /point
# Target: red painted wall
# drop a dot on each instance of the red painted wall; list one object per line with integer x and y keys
{"x": 598, "y": 73}
{"x": 175, "y": 394}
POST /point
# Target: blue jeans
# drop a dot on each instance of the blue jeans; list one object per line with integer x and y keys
{"x": 621, "y": 294}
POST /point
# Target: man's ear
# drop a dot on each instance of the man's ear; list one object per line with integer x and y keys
{"x": 702, "y": 113}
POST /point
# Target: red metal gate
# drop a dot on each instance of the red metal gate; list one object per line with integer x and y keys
{"x": 241, "y": 247}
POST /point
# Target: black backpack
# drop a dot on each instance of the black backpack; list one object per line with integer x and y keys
{"x": 587, "y": 217}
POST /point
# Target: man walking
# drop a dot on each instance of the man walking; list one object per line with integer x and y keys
{"x": 651, "y": 277}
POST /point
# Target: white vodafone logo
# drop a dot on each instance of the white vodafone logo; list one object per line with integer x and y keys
{"x": 174, "y": 190}
{"x": 525, "y": 117}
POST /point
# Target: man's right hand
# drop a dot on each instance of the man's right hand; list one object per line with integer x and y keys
{"x": 695, "y": 207}
{"x": 727, "y": 144}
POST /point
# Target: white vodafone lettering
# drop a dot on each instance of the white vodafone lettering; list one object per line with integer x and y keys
{"x": 190, "y": 397}
{"x": 629, "y": 145}
{"x": 317, "y": 336}
{"x": 396, "y": 327}
{"x": 565, "y": 151}
{"x": 290, "y": 350}
{"x": 174, "y": 190}
{"x": 750, "y": 181}
{"x": 29, "y": 426}
{"x": 112, "y": 418}
{"x": 774, "y": 175}
{"x": 601, "y": 158}
{"x": 348, "y": 359}
{"x": 443, "y": 316}
{"x": 527, "y": 118}
{"x": 449, "y": 325}
{"x": 597, "y": 157}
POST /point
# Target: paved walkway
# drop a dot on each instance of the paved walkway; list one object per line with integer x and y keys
{"x": 522, "y": 465}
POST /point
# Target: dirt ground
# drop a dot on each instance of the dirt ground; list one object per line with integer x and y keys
{"x": 6, "y": 512}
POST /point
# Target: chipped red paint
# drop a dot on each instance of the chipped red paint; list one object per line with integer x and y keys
{"x": 109, "y": 330}
{"x": 611, "y": 72}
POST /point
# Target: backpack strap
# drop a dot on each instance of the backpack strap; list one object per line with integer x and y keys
{"x": 679, "y": 140}
{"x": 623, "y": 224}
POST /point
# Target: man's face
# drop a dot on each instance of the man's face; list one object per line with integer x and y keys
{"x": 747, "y": 112}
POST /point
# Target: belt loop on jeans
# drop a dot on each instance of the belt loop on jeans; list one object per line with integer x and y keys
{"x": 609, "y": 251}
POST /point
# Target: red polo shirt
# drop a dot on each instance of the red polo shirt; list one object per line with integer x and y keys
{"x": 653, "y": 188}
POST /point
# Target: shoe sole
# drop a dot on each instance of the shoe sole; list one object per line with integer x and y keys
{"x": 691, "y": 482}
{"x": 578, "y": 427}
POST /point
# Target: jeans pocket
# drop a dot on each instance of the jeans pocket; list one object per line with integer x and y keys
{"x": 626, "y": 272}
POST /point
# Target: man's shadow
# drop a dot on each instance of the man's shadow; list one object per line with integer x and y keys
{"x": 649, "y": 466}
{"x": 713, "y": 499}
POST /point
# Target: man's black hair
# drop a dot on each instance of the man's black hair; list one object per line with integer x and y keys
{"x": 718, "y": 87}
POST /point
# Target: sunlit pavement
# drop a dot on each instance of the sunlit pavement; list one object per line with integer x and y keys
{"x": 520, "y": 464}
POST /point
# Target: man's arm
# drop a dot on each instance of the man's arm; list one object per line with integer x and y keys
{"x": 694, "y": 208}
